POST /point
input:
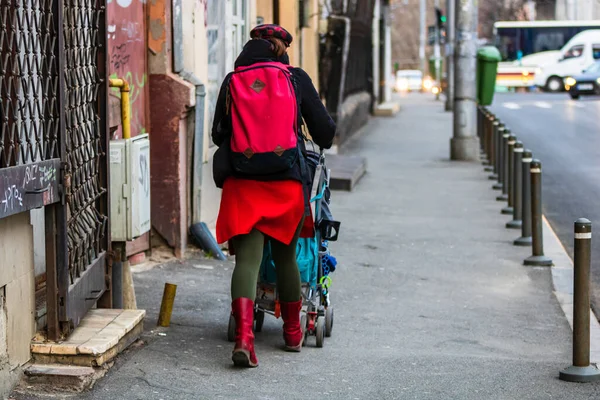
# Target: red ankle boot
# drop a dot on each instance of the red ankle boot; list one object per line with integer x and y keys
{"x": 243, "y": 352}
{"x": 292, "y": 331}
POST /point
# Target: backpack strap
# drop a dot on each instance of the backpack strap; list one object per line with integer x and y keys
{"x": 306, "y": 184}
{"x": 300, "y": 121}
{"x": 228, "y": 96}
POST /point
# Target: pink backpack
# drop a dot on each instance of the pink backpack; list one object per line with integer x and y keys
{"x": 264, "y": 115}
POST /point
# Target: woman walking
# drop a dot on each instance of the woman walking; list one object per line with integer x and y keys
{"x": 260, "y": 166}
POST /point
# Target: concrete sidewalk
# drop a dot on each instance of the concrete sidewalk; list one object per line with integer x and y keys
{"x": 431, "y": 299}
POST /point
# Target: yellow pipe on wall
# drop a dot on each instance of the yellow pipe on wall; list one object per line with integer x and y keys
{"x": 125, "y": 110}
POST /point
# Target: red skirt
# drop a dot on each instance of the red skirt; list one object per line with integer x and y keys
{"x": 274, "y": 208}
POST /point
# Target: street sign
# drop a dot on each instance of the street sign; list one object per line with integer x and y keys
{"x": 431, "y": 35}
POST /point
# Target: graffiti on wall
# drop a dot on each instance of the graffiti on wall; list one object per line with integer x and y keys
{"x": 127, "y": 56}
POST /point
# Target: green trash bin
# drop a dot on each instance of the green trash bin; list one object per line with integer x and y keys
{"x": 432, "y": 68}
{"x": 488, "y": 58}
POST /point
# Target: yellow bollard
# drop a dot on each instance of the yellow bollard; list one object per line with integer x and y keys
{"x": 166, "y": 307}
{"x": 129, "y": 299}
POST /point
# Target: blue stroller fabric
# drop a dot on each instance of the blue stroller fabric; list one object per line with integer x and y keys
{"x": 306, "y": 257}
{"x": 307, "y": 250}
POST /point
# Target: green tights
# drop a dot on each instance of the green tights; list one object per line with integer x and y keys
{"x": 248, "y": 257}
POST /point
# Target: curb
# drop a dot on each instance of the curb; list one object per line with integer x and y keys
{"x": 562, "y": 279}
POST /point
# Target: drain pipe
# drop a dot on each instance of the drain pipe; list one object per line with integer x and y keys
{"x": 198, "y": 145}
{"x": 198, "y": 230}
{"x": 345, "y": 52}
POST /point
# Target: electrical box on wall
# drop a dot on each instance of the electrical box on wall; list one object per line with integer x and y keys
{"x": 129, "y": 188}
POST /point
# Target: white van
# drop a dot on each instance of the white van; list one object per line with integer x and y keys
{"x": 409, "y": 80}
{"x": 579, "y": 53}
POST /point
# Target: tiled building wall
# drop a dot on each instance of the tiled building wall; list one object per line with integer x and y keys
{"x": 17, "y": 297}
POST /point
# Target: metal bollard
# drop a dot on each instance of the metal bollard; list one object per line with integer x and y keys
{"x": 537, "y": 243}
{"x": 495, "y": 127}
{"x": 480, "y": 118}
{"x": 481, "y": 131}
{"x": 488, "y": 121}
{"x": 483, "y": 119}
{"x": 581, "y": 370}
{"x": 479, "y": 114}
{"x": 505, "y": 136}
{"x": 517, "y": 195}
{"x": 508, "y": 170}
{"x": 499, "y": 156}
{"x": 488, "y": 143}
{"x": 525, "y": 239}
{"x": 166, "y": 306}
{"x": 493, "y": 169}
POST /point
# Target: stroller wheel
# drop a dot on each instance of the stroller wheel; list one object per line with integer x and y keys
{"x": 303, "y": 322}
{"x": 328, "y": 321}
{"x": 231, "y": 329}
{"x": 259, "y": 319}
{"x": 320, "y": 331}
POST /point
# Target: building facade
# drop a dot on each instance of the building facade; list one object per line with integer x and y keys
{"x": 55, "y": 239}
{"x": 577, "y": 10}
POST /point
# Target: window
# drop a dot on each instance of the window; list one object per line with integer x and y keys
{"x": 239, "y": 26}
{"x": 596, "y": 51}
{"x": 304, "y": 13}
{"x": 227, "y": 31}
{"x": 216, "y": 53}
{"x": 574, "y": 52}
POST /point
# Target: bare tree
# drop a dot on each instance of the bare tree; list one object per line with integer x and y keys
{"x": 405, "y": 23}
{"x": 405, "y": 31}
{"x": 491, "y": 11}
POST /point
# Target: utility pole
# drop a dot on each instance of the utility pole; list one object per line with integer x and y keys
{"x": 464, "y": 144}
{"x": 436, "y": 48}
{"x": 423, "y": 35}
{"x": 450, "y": 36}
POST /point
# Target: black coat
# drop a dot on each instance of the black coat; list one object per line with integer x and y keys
{"x": 320, "y": 125}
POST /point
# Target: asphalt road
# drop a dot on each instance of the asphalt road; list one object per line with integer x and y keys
{"x": 564, "y": 135}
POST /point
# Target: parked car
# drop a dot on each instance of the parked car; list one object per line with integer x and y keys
{"x": 588, "y": 83}
{"x": 579, "y": 52}
{"x": 409, "y": 80}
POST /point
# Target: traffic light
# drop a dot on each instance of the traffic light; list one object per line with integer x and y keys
{"x": 440, "y": 19}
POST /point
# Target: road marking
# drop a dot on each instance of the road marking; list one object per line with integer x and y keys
{"x": 511, "y": 106}
{"x": 543, "y": 104}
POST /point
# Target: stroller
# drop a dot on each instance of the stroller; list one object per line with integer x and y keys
{"x": 315, "y": 263}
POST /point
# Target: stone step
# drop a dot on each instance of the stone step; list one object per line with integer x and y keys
{"x": 346, "y": 171}
{"x": 388, "y": 109}
{"x": 100, "y": 337}
{"x": 56, "y": 378}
